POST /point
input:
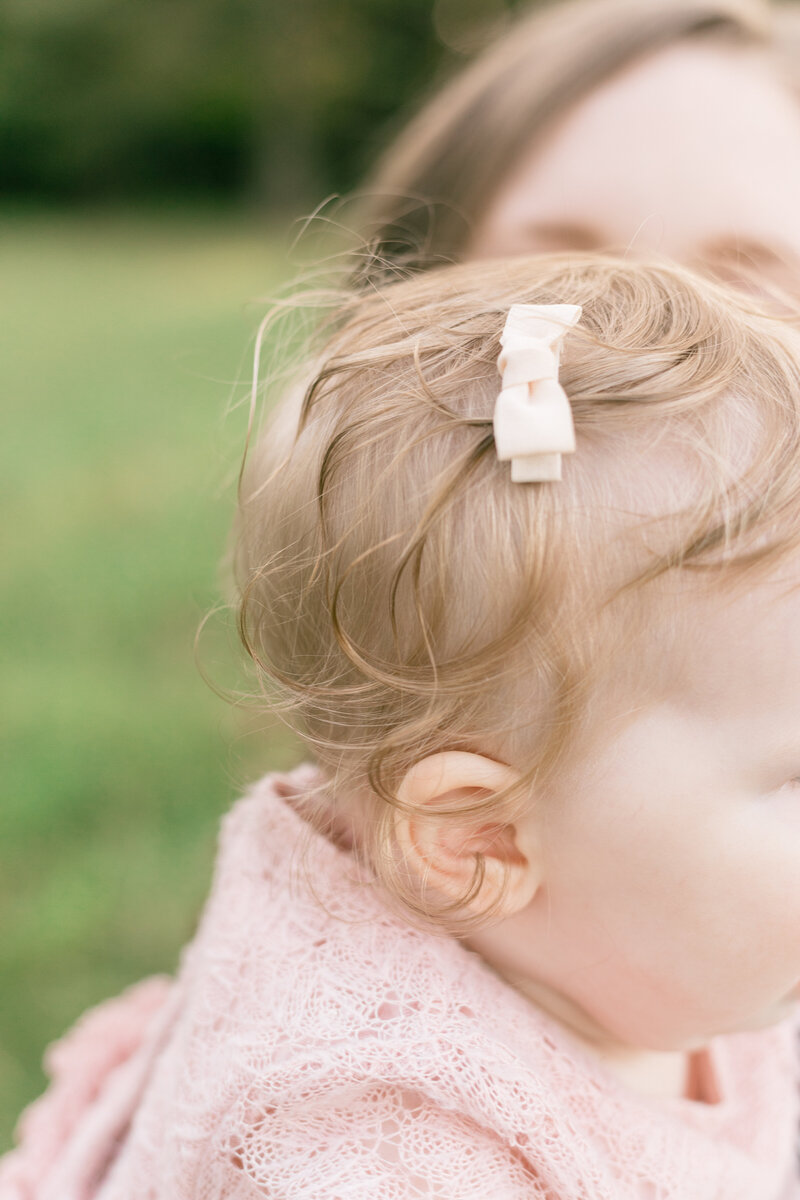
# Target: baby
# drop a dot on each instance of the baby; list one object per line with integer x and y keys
{"x": 531, "y": 925}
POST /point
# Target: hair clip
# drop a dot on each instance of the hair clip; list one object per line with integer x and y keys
{"x": 532, "y": 418}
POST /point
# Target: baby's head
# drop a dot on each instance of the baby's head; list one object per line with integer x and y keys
{"x": 561, "y": 717}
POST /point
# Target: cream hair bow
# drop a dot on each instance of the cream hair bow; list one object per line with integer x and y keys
{"x": 532, "y": 417}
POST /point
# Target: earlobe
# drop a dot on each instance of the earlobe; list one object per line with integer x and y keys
{"x": 443, "y": 839}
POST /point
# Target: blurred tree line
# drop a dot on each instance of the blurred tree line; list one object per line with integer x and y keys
{"x": 276, "y": 100}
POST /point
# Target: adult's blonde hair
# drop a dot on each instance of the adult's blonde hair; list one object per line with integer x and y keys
{"x": 437, "y": 179}
{"x": 401, "y": 596}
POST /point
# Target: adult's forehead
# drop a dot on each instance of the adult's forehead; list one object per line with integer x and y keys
{"x": 696, "y": 140}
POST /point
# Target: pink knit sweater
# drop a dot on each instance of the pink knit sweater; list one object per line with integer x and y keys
{"x": 313, "y": 1047}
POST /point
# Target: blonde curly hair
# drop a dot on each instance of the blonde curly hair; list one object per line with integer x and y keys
{"x": 400, "y": 596}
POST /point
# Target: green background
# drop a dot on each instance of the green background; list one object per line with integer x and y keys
{"x": 126, "y": 341}
{"x": 152, "y": 160}
{"x": 273, "y": 100}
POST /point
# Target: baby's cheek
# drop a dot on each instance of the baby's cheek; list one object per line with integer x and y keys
{"x": 759, "y": 882}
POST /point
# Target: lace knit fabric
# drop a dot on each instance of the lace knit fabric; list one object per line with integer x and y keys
{"x": 314, "y": 1047}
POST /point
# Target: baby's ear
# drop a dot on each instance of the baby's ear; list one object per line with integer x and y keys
{"x": 441, "y": 851}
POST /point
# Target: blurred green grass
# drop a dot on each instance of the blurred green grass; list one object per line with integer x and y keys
{"x": 123, "y": 341}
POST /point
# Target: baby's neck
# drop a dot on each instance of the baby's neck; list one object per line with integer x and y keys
{"x": 665, "y": 1074}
